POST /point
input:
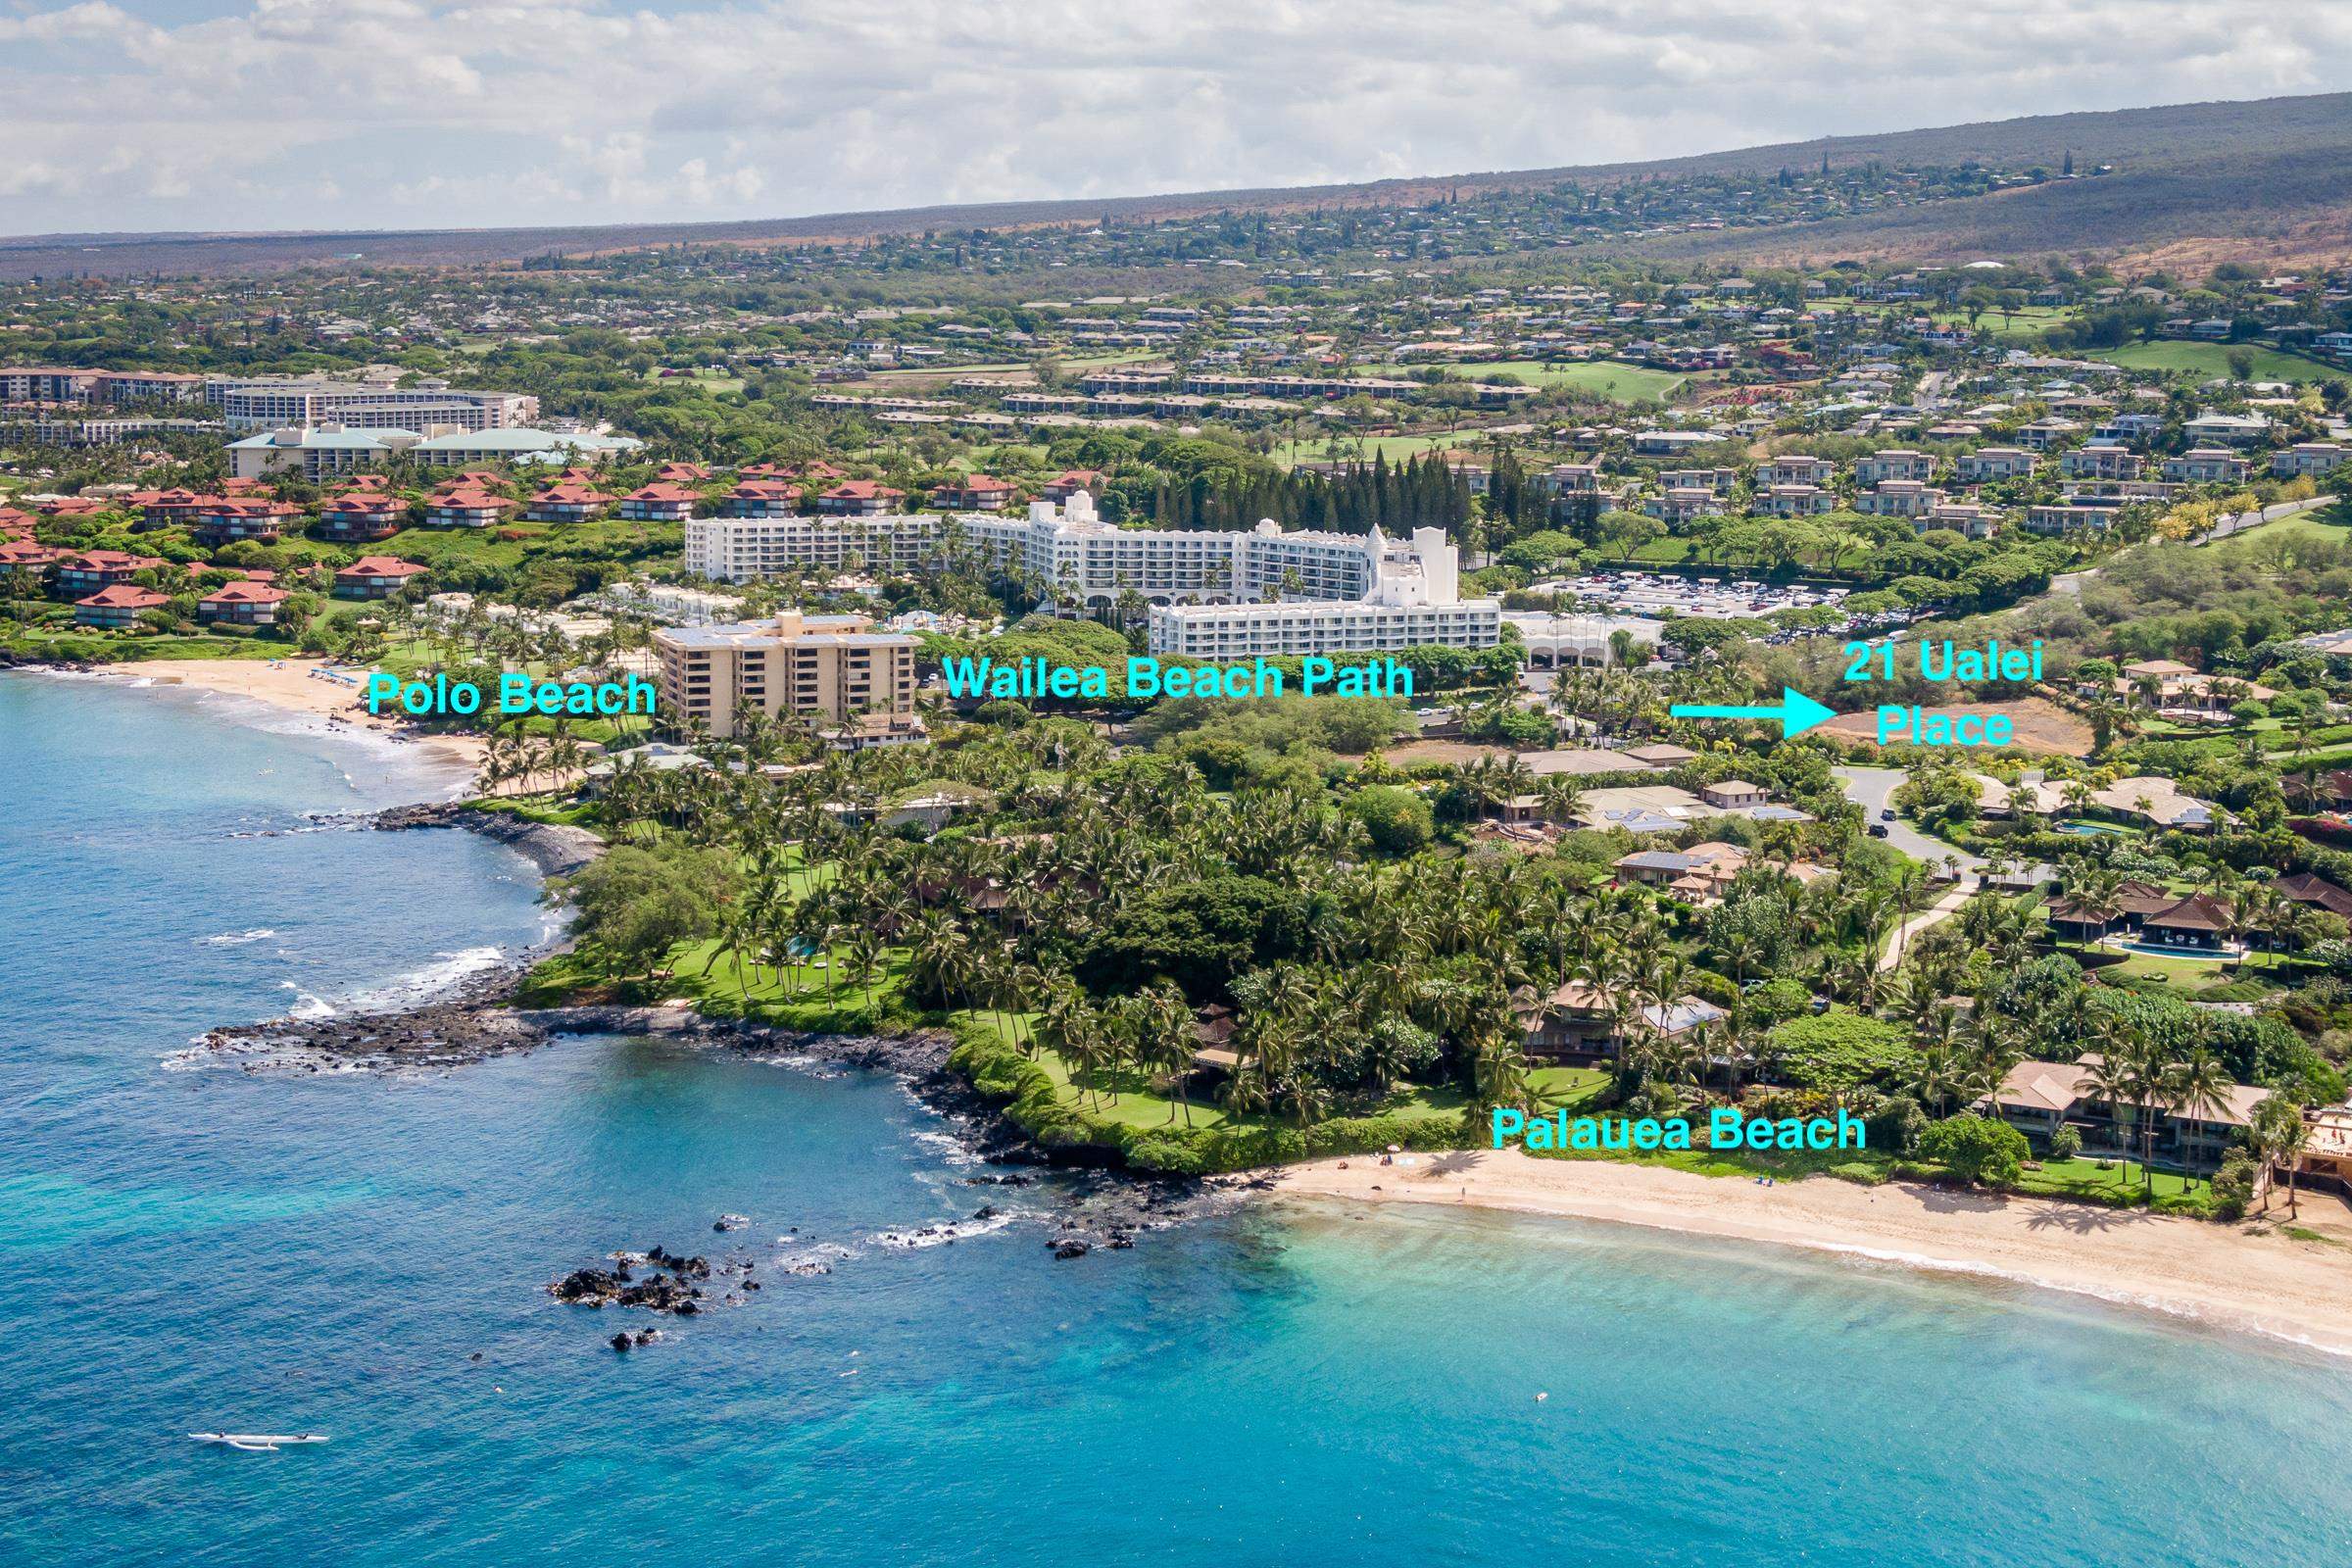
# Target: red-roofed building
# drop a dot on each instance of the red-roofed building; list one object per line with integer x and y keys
{"x": 242, "y": 603}
{"x": 263, "y": 522}
{"x": 375, "y": 577}
{"x": 29, "y": 553}
{"x": 859, "y": 498}
{"x": 976, "y": 492}
{"x": 73, "y": 506}
{"x": 681, "y": 473}
{"x": 567, "y": 501}
{"x": 164, "y": 508}
{"x": 660, "y": 502}
{"x": 86, "y": 573}
{"x": 763, "y": 497}
{"x": 117, "y": 608}
{"x": 464, "y": 507}
{"x": 1068, "y": 485}
{"x": 15, "y": 524}
{"x": 361, "y": 517}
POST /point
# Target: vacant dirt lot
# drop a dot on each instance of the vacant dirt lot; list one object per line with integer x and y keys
{"x": 2041, "y": 727}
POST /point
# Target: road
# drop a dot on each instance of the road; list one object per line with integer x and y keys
{"x": 2236, "y": 523}
{"x": 1872, "y": 788}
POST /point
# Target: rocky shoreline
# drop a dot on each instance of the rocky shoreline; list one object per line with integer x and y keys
{"x": 556, "y": 849}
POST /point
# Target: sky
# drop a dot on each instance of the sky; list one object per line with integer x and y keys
{"x": 234, "y": 114}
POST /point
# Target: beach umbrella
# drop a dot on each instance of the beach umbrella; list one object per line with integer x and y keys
{"x": 1396, "y": 1149}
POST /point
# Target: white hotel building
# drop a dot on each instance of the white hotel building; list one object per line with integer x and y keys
{"x": 1213, "y": 595}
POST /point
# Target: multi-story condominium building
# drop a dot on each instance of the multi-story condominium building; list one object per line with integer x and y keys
{"x": 2309, "y": 459}
{"x": 242, "y": 603}
{"x": 1898, "y": 498}
{"x": 2102, "y": 460}
{"x": 859, "y": 498}
{"x": 90, "y": 571}
{"x": 762, "y": 497}
{"x": 248, "y": 404}
{"x": 1715, "y": 481}
{"x": 2227, "y": 430}
{"x": 359, "y": 518}
{"x": 2205, "y": 466}
{"x": 658, "y": 503}
{"x": 504, "y": 444}
{"x": 1797, "y": 469}
{"x": 567, "y": 501}
{"x": 833, "y": 669}
{"x": 36, "y": 385}
{"x": 1893, "y": 463}
{"x": 1683, "y": 504}
{"x": 220, "y": 522}
{"x": 745, "y": 549}
{"x": 375, "y": 577}
{"x": 1413, "y": 598}
{"x": 1987, "y": 465}
{"x": 117, "y": 608}
{"x": 2129, "y": 427}
{"x": 1796, "y": 501}
{"x": 1969, "y": 518}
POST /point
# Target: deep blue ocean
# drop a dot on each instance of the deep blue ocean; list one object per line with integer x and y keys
{"x": 188, "y": 1249}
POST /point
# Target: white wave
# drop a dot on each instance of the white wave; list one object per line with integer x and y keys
{"x": 305, "y": 1006}
{"x": 941, "y": 1234}
{"x": 444, "y": 973}
{"x": 236, "y": 938}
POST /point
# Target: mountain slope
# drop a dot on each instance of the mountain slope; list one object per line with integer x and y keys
{"x": 2272, "y": 177}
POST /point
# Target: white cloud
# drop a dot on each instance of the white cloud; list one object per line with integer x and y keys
{"x": 309, "y": 113}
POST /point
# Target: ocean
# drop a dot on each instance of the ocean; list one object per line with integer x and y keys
{"x": 188, "y": 1248}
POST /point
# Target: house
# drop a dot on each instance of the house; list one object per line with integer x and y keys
{"x": 977, "y": 492}
{"x": 658, "y": 502}
{"x": 375, "y": 577}
{"x": 2176, "y": 691}
{"x": 2309, "y": 459}
{"x": 567, "y": 501}
{"x": 2227, "y": 430}
{"x": 2205, "y": 466}
{"x": 361, "y": 517}
{"x": 2316, "y": 891}
{"x": 2038, "y": 1098}
{"x": 1682, "y": 506}
{"x": 1700, "y": 874}
{"x": 1070, "y": 481}
{"x": 165, "y": 509}
{"x": 1733, "y": 793}
{"x": 2135, "y": 900}
{"x": 464, "y": 507}
{"x": 1661, "y": 755}
{"x": 80, "y": 575}
{"x": 2045, "y": 434}
{"x": 117, "y": 608}
{"x": 859, "y": 498}
{"x": 242, "y": 603}
{"x": 1580, "y": 1022}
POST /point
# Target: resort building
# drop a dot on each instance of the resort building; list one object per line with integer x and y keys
{"x": 658, "y": 502}
{"x": 375, "y": 577}
{"x": 833, "y": 669}
{"x": 746, "y": 549}
{"x": 242, "y": 603}
{"x": 1412, "y": 599}
{"x": 223, "y": 522}
{"x": 464, "y": 507}
{"x": 2309, "y": 459}
{"x": 317, "y": 452}
{"x": 567, "y": 501}
{"x": 1987, "y": 465}
{"x": 361, "y": 518}
{"x": 80, "y": 575}
{"x": 2205, "y": 466}
{"x": 117, "y": 608}
{"x": 248, "y": 404}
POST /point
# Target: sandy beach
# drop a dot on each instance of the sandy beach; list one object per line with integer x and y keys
{"x": 290, "y": 684}
{"x": 2267, "y": 1284}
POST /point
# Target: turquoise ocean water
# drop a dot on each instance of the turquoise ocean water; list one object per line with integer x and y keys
{"x": 185, "y": 1249}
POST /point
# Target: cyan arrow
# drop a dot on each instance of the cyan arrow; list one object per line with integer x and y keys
{"x": 1796, "y": 711}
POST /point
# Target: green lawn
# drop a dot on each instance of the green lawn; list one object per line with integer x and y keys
{"x": 2206, "y": 361}
{"x": 2022, "y": 324}
{"x": 1392, "y": 447}
{"x": 702, "y": 378}
{"x": 1619, "y": 382}
{"x": 2083, "y": 1179}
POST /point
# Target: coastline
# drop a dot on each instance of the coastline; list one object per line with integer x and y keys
{"x": 2275, "y": 1287}
{"x": 288, "y": 686}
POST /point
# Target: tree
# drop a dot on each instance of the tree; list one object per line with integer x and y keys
{"x": 2277, "y": 1137}
{"x": 637, "y": 905}
{"x": 1398, "y": 820}
{"x": 1977, "y": 1149}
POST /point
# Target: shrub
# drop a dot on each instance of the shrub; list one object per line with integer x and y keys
{"x": 2066, "y": 1143}
{"x": 2234, "y": 1184}
{"x": 1977, "y": 1149}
